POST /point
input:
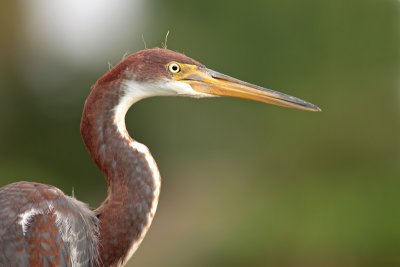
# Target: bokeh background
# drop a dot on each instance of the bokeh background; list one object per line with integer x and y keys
{"x": 244, "y": 184}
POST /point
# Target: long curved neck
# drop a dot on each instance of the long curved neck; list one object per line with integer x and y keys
{"x": 132, "y": 176}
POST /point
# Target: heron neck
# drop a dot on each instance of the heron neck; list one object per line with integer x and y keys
{"x": 132, "y": 176}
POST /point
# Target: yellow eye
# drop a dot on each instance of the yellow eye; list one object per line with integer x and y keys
{"x": 174, "y": 67}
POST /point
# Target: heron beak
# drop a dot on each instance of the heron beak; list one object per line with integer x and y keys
{"x": 207, "y": 81}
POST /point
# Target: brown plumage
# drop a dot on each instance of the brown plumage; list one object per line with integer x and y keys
{"x": 145, "y": 65}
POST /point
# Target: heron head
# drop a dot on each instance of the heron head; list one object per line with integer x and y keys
{"x": 153, "y": 72}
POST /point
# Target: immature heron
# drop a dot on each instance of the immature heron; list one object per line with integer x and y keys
{"x": 41, "y": 226}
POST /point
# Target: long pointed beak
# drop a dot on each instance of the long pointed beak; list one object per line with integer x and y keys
{"x": 211, "y": 82}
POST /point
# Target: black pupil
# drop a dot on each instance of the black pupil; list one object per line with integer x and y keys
{"x": 174, "y": 67}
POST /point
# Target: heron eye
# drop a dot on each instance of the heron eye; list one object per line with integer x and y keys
{"x": 174, "y": 68}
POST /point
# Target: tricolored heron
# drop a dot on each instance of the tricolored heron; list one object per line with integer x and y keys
{"x": 41, "y": 226}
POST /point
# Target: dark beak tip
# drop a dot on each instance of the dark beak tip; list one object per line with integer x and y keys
{"x": 316, "y": 109}
{"x": 291, "y": 101}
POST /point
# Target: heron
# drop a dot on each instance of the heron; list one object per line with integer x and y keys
{"x": 42, "y": 226}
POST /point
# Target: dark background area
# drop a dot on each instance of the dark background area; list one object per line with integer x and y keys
{"x": 244, "y": 183}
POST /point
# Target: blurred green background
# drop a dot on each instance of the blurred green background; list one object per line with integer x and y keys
{"x": 244, "y": 184}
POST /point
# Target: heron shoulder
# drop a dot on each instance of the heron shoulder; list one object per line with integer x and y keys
{"x": 37, "y": 217}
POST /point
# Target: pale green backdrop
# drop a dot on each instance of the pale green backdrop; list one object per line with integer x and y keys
{"x": 244, "y": 184}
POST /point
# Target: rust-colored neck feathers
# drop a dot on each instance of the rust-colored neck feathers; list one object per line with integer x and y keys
{"x": 132, "y": 176}
{"x": 133, "y": 183}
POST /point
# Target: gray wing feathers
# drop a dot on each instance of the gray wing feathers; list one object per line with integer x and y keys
{"x": 80, "y": 231}
{"x": 40, "y": 226}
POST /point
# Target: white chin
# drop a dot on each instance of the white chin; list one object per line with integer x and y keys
{"x": 183, "y": 89}
{"x": 136, "y": 91}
